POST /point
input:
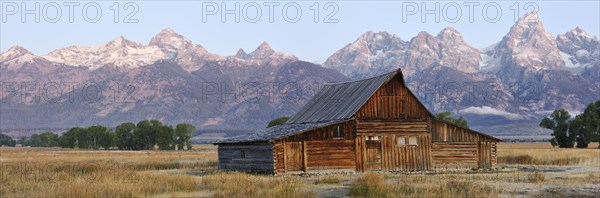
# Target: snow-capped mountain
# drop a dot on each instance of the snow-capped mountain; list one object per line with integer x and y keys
{"x": 170, "y": 79}
{"x": 510, "y": 84}
{"x": 578, "y": 48}
{"x": 16, "y": 57}
{"x": 524, "y": 76}
{"x": 178, "y": 48}
{"x": 377, "y": 53}
{"x": 119, "y": 53}
{"x": 372, "y": 52}
{"x": 528, "y": 45}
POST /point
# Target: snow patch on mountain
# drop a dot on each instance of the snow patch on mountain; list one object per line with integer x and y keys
{"x": 120, "y": 53}
{"x": 16, "y": 57}
{"x": 570, "y": 61}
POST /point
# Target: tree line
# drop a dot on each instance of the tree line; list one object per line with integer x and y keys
{"x": 579, "y": 131}
{"x": 145, "y": 135}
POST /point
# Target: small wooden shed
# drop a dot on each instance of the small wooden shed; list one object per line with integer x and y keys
{"x": 370, "y": 124}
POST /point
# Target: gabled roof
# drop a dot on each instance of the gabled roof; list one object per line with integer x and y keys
{"x": 340, "y": 101}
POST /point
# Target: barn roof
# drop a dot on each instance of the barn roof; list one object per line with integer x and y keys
{"x": 340, "y": 100}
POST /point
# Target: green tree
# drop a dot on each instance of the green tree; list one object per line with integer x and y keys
{"x": 576, "y": 128}
{"x": 83, "y": 140}
{"x": 183, "y": 135}
{"x": 278, "y": 121}
{"x": 447, "y": 116}
{"x": 106, "y": 139}
{"x": 69, "y": 138}
{"x": 23, "y": 140}
{"x": 6, "y": 140}
{"x": 35, "y": 141}
{"x": 165, "y": 138}
{"x": 99, "y": 136}
{"x": 47, "y": 139}
{"x": 124, "y": 136}
{"x": 587, "y": 125}
{"x": 145, "y": 134}
{"x": 558, "y": 123}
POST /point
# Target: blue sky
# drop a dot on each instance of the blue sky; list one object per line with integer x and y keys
{"x": 305, "y": 38}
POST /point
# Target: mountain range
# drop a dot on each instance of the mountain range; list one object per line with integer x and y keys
{"x": 502, "y": 89}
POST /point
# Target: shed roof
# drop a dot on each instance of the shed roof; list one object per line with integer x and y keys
{"x": 278, "y": 132}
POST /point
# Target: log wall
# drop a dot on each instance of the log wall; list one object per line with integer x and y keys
{"x": 455, "y": 155}
{"x": 459, "y": 148}
{"x": 320, "y": 150}
{"x": 392, "y": 155}
{"x": 257, "y": 157}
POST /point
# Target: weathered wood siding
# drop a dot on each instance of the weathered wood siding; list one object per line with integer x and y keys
{"x": 390, "y": 126}
{"x": 319, "y": 148}
{"x": 459, "y": 148}
{"x": 393, "y": 112}
{"x": 487, "y": 154}
{"x": 445, "y": 132}
{"x": 454, "y": 155}
{"x": 256, "y": 158}
{"x": 392, "y": 101}
{"x": 393, "y": 156}
{"x": 279, "y": 161}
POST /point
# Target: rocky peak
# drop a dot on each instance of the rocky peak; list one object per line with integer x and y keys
{"x": 580, "y": 46}
{"x": 263, "y": 51}
{"x": 241, "y": 54}
{"x": 529, "y": 45}
{"x": 379, "y": 41}
{"x": 168, "y": 39}
{"x": 121, "y": 42}
{"x": 451, "y": 35}
{"x": 578, "y": 31}
{"x": 576, "y": 37}
{"x": 424, "y": 41}
{"x": 14, "y": 52}
{"x": 446, "y": 49}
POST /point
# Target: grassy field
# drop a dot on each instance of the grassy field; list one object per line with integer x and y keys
{"x": 524, "y": 170}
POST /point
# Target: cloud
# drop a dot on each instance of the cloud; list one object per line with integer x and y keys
{"x": 213, "y": 121}
{"x": 486, "y": 110}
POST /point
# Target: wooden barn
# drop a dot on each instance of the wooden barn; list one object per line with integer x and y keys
{"x": 370, "y": 124}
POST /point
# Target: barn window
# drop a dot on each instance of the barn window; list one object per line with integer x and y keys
{"x": 400, "y": 141}
{"x": 412, "y": 141}
{"x": 372, "y": 137}
{"x": 338, "y": 132}
{"x": 243, "y": 154}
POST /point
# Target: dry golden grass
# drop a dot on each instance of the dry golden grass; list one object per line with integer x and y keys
{"x": 234, "y": 184}
{"x": 543, "y": 154}
{"x": 376, "y": 185}
{"x": 54, "y": 172}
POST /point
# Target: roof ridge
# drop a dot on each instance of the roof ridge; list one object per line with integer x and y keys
{"x": 364, "y": 79}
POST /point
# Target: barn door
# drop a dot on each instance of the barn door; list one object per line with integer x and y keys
{"x": 373, "y": 161}
{"x": 293, "y": 156}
